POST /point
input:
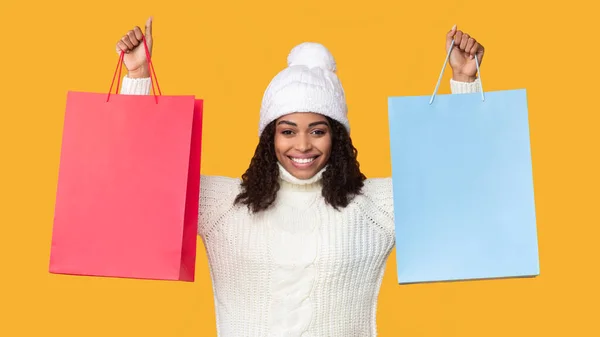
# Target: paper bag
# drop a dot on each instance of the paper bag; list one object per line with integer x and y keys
{"x": 463, "y": 187}
{"x": 128, "y": 187}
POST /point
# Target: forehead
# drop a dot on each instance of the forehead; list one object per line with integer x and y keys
{"x": 303, "y": 118}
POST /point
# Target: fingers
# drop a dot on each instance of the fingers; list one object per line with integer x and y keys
{"x": 465, "y": 43}
{"x": 479, "y": 52}
{"x": 451, "y": 32}
{"x": 149, "y": 38}
{"x": 470, "y": 42}
{"x": 472, "y": 47}
{"x": 122, "y": 47}
{"x": 149, "y": 28}
{"x": 458, "y": 38}
{"x": 133, "y": 38}
{"x": 130, "y": 40}
{"x": 137, "y": 32}
{"x": 125, "y": 40}
{"x": 450, "y": 36}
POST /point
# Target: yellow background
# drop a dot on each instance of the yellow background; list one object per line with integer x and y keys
{"x": 226, "y": 52}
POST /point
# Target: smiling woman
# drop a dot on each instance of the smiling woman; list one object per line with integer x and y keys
{"x": 308, "y": 259}
{"x": 304, "y": 145}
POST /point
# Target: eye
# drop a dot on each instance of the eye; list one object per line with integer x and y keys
{"x": 319, "y": 132}
{"x": 286, "y": 132}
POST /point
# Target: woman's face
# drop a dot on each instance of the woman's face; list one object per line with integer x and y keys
{"x": 303, "y": 143}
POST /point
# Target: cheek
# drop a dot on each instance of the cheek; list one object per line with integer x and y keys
{"x": 280, "y": 144}
{"x": 324, "y": 145}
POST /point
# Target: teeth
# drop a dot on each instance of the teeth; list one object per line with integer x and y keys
{"x": 303, "y": 160}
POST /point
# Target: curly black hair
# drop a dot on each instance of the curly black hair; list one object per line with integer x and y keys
{"x": 342, "y": 179}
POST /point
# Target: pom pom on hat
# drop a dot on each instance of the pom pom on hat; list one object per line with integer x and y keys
{"x": 312, "y": 55}
{"x": 308, "y": 84}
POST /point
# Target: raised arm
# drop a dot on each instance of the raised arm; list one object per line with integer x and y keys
{"x": 462, "y": 61}
{"x": 137, "y": 81}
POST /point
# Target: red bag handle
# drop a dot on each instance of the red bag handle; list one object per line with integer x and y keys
{"x": 120, "y": 65}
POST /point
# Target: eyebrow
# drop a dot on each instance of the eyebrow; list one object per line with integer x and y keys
{"x": 309, "y": 125}
{"x": 287, "y": 122}
{"x": 318, "y": 123}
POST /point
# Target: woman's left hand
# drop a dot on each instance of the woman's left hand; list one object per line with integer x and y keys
{"x": 462, "y": 58}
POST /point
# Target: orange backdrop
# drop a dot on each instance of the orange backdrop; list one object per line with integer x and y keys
{"x": 226, "y": 52}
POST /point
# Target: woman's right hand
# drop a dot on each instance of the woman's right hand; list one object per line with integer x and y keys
{"x": 135, "y": 59}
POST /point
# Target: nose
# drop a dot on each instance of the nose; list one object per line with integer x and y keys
{"x": 303, "y": 144}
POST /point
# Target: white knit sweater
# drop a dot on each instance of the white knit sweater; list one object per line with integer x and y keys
{"x": 300, "y": 268}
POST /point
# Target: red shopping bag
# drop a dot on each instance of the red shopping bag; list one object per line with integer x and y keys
{"x": 128, "y": 186}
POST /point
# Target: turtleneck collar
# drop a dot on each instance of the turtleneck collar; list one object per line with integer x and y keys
{"x": 288, "y": 180}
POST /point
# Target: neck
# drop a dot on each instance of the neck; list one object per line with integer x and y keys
{"x": 287, "y": 180}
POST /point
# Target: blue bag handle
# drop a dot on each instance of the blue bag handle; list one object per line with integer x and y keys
{"x": 442, "y": 73}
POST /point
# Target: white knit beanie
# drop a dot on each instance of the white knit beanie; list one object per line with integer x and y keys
{"x": 308, "y": 84}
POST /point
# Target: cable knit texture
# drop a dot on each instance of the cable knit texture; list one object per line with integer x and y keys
{"x": 465, "y": 87}
{"x": 299, "y": 269}
{"x": 136, "y": 86}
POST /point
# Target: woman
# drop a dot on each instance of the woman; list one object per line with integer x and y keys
{"x": 298, "y": 246}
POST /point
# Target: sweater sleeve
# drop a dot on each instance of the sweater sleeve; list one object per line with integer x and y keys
{"x": 136, "y": 86}
{"x": 380, "y": 202}
{"x": 217, "y": 195}
{"x": 465, "y": 87}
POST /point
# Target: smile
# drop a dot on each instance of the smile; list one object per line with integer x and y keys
{"x": 302, "y": 162}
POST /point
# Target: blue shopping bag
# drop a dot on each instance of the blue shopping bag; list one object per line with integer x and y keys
{"x": 463, "y": 187}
